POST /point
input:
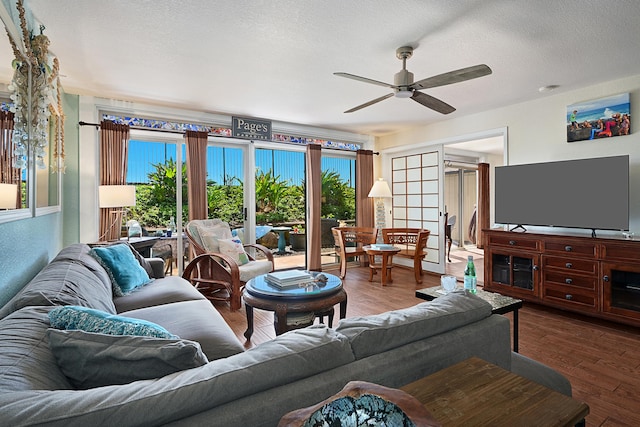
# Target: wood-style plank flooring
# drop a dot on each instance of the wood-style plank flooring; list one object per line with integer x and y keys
{"x": 601, "y": 359}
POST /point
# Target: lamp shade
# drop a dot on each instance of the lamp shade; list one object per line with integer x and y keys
{"x": 8, "y": 196}
{"x": 380, "y": 189}
{"x": 116, "y": 196}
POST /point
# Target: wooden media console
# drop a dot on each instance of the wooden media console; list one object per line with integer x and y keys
{"x": 594, "y": 276}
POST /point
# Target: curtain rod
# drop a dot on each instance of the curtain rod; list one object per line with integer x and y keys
{"x": 180, "y": 132}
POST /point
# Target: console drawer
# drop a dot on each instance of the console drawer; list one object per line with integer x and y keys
{"x": 571, "y": 248}
{"x": 570, "y": 280}
{"x": 515, "y": 242}
{"x": 570, "y": 264}
{"x": 621, "y": 251}
{"x": 570, "y": 298}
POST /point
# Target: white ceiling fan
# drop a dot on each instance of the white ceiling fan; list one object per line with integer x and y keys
{"x": 405, "y": 87}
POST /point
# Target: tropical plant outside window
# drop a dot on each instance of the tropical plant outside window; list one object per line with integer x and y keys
{"x": 278, "y": 199}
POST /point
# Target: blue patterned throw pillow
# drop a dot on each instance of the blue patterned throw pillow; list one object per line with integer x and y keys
{"x": 125, "y": 271}
{"x": 90, "y": 320}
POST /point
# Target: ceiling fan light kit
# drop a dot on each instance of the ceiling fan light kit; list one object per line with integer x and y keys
{"x": 404, "y": 87}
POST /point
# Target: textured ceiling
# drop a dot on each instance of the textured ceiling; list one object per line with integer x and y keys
{"x": 275, "y": 59}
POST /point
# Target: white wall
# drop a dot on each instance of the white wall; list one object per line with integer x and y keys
{"x": 537, "y": 133}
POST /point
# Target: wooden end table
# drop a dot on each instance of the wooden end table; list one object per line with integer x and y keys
{"x": 315, "y": 298}
{"x": 500, "y": 304}
{"x": 476, "y": 392}
{"x": 386, "y": 252}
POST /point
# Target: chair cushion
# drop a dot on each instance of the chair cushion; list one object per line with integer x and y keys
{"x": 94, "y": 360}
{"x": 209, "y": 235}
{"x": 124, "y": 269}
{"x": 253, "y": 269}
{"x": 234, "y": 249}
{"x": 90, "y": 320}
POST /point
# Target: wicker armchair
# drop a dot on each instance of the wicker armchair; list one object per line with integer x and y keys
{"x": 216, "y": 275}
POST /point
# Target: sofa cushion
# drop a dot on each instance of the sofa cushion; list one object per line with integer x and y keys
{"x": 73, "y": 277}
{"x": 197, "y": 321}
{"x": 26, "y": 362}
{"x": 125, "y": 271}
{"x": 375, "y": 334}
{"x": 161, "y": 291}
{"x": 93, "y": 360}
{"x": 90, "y": 320}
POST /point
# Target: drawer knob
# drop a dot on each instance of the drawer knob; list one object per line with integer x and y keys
{"x": 605, "y": 278}
{"x": 512, "y": 242}
{"x": 569, "y": 296}
{"x": 568, "y": 281}
{"x": 568, "y": 248}
{"x": 535, "y": 268}
{"x": 568, "y": 265}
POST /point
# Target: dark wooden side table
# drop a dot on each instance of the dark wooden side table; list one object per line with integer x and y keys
{"x": 476, "y": 392}
{"x": 318, "y": 298}
{"x": 500, "y": 304}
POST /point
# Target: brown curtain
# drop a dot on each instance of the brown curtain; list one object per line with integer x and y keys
{"x": 114, "y": 152}
{"x": 483, "y": 202}
{"x": 314, "y": 204}
{"x": 8, "y": 174}
{"x": 197, "y": 173}
{"x": 364, "y": 182}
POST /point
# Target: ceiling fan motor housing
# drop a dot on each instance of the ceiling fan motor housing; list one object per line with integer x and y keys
{"x": 402, "y": 80}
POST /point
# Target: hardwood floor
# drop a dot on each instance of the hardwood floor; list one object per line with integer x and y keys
{"x": 601, "y": 359}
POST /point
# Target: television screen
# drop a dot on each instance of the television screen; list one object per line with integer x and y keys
{"x": 587, "y": 193}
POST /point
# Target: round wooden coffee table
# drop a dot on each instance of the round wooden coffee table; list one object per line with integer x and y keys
{"x": 386, "y": 252}
{"x": 317, "y": 298}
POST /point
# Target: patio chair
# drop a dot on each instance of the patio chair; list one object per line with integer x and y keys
{"x": 349, "y": 242}
{"x": 221, "y": 267}
{"x": 412, "y": 243}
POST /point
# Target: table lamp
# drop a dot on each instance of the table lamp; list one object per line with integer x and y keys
{"x": 380, "y": 191}
{"x": 8, "y": 196}
{"x": 116, "y": 196}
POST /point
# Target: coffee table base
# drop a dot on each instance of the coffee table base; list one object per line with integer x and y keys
{"x": 322, "y": 306}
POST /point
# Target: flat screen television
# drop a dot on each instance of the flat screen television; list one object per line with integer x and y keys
{"x": 586, "y": 193}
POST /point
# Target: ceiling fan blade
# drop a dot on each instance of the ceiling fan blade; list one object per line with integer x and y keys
{"x": 431, "y": 102}
{"x": 366, "y": 104}
{"x": 364, "y": 79}
{"x": 456, "y": 76}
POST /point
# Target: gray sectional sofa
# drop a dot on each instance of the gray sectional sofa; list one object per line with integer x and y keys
{"x": 237, "y": 387}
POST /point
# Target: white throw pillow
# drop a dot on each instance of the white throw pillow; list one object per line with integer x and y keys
{"x": 211, "y": 235}
{"x": 234, "y": 249}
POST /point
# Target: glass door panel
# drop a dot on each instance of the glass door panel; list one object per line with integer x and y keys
{"x": 280, "y": 205}
{"x": 338, "y": 201}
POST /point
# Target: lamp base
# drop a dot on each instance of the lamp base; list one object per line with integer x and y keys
{"x": 380, "y": 218}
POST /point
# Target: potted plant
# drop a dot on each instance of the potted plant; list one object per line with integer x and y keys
{"x": 298, "y": 238}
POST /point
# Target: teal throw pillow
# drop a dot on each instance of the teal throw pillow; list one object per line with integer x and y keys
{"x": 91, "y": 320}
{"x": 125, "y": 271}
{"x": 90, "y": 359}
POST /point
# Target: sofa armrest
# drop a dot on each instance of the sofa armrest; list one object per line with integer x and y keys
{"x": 157, "y": 265}
{"x": 540, "y": 373}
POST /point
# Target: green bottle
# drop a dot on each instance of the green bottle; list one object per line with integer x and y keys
{"x": 470, "y": 279}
